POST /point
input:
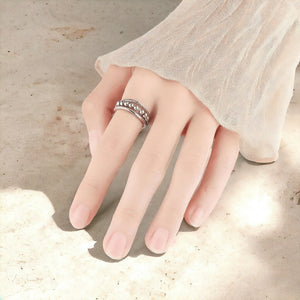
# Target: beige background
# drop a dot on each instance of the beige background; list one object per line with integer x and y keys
{"x": 248, "y": 249}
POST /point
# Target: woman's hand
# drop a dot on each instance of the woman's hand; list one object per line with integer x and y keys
{"x": 174, "y": 111}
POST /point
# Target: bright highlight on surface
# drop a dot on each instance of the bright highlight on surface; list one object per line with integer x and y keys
{"x": 259, "y": 210}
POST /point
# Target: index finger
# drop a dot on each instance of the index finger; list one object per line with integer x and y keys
{"x": 110, "y": 154}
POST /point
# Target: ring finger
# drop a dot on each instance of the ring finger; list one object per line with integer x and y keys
{"x": 187, "y": 174}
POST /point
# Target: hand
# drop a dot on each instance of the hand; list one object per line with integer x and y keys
{"x": 174, "y": 111}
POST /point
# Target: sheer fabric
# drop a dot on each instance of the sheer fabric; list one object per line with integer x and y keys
{"x": 238, "y": 57}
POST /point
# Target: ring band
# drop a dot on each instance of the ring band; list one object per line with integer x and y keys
{"x": 136, "y": 108}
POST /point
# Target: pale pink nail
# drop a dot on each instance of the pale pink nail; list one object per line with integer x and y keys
{"x": 80, "y": 216}
{"x": 116, "y": 245}
{"x": 159, "y": 240}
{"x": 196, "y": 217}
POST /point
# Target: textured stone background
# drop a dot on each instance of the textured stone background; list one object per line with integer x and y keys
{"x": 248, "y": 249}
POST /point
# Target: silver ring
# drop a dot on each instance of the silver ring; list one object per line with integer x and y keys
{"x": 136, "y": 108}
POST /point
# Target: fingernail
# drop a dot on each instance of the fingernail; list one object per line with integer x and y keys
{"x": 196, "y": 217}
{"x": 159, "y": 240}
{"x": 116, "y": 245}
{"x": 80, "y": 216}
{"x": 93, "y": 140}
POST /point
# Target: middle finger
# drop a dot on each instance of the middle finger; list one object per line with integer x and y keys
{"x": 144, "y": 178}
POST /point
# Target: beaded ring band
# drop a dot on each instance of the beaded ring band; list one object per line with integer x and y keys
{"x": 136, "y": 108}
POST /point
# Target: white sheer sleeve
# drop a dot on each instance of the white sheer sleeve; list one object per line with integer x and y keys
{"x": 238, "y": 57}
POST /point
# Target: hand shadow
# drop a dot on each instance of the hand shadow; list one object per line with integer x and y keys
{"x": 99, "y": 225}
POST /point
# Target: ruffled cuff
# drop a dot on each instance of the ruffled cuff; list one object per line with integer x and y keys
{"x": 238, "y": 57}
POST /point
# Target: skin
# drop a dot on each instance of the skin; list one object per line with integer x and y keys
{"x": 174, "y": 111}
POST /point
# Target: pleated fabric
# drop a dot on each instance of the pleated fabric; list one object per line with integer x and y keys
{"x": 238, "y": 57}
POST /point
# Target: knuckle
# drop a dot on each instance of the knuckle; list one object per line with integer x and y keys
{"x": 176, "y": 88}
{"x": 179, "y": 89}
{"x": 141, "y": 75}
{"x": 91, "y": 186}
{"x": 129, "y": 214}
{"x": 117, "y": 68}
{"x": 88, "y": 106}
{"x": 209, "y": 121}
{"x": 139, "y": 71}
{"x": 114, "y": 68}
